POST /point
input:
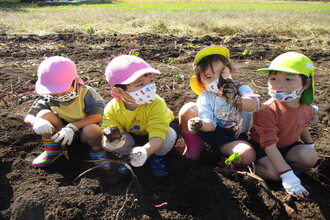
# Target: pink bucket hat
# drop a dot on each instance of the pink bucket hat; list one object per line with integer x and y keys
{"x": 55, "y": 75}
{"x": 125, "y": 69}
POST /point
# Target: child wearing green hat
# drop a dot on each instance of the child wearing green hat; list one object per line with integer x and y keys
{"x": 214, "y": 119}
{"x": 280, "y": 131}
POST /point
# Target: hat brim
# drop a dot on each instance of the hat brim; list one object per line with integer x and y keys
{"x": 54, "y": 89}
{"x": 279, "y": 69}
{"x": 51, "y": 89}
{"x": 139, "y": 73}
{"x": 211, "y": 51}
{"x": 196, "y": 86}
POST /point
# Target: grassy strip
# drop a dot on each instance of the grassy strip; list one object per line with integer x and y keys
{"x": 308, "y": 20}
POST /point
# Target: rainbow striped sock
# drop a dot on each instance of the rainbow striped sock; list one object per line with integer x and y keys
{"x": 99, "y": 157}
{"x": 51, "y": 152}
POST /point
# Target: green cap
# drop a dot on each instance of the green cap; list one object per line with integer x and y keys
{"x": 295, "y": 63}
{"x": 211, "y": 51}
{"x": 194, "y": 84}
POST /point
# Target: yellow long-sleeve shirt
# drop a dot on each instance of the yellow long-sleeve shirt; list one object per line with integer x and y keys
{"x": 150, "y": 119}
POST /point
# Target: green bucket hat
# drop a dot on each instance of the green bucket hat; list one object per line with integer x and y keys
{"x": 211, "y": 50}
{"x": 295, "y": 63}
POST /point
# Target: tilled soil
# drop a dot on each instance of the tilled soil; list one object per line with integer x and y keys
{"x": 194, "y": 189}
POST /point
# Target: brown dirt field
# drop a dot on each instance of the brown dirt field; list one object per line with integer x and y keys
{"x": 193, "y": 190}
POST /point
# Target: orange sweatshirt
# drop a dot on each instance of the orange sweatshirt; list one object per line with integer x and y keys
{"x": 275, "y": 122}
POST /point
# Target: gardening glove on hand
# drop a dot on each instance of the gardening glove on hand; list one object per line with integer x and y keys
{"x": 138, "y": 156}
{"x": 292, "y": 184}
{"x": 42, "y": 126}
{"x": 113, "y": 145}
{"x": 66, "y": 133}
{"x": 195, "y": 124}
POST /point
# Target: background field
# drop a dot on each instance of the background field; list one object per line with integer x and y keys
{"x": 300, "y": 20}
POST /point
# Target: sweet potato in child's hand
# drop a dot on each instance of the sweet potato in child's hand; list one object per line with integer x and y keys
{"x": 113, "y": 139}
{"x": 112, "y": 133}
{"x": 230, "y": 92}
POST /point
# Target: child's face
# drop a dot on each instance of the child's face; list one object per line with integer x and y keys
{"x": 284, "y": 82}
{"x": 140, "y": 82}
{"x": 213, "y": 72}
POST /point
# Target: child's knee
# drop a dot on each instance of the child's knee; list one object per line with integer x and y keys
{"x": 188, "y": 110}
{"x": 91, "y": 131}
{"x": 311, "y": 160}
{"x": 246, "y": 152}
{"x": 248, "y": 156}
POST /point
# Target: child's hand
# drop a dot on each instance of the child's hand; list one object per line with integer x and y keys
{"x": 138, "y": 156}
{"x": 195, "y": 124}
{"x": 66, "y": 133}
{"x": 42, "y": 126}
{"x": 112, "y": 133}
{"x": 229, "y": 91}
{"x": 292, "y": 184}
{"x": 113, "y": 145}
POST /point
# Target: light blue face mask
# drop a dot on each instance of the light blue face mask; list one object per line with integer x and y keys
{"x": 286, "y": 96}
{"x": 213, "y": 86}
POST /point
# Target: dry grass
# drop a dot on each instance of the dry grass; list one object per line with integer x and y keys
{"x": 296, "y": 20}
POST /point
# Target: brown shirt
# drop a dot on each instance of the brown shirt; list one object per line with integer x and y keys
{"x": 275, "y": 122}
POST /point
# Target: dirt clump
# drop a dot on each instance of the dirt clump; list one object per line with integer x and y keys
{"x": 193, "y": 189}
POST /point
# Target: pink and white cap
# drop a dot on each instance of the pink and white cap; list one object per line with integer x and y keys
{"x": 55, "y": 75}
{"x": 125, "y": 69}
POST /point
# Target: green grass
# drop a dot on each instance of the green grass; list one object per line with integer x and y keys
{"x": 290, "y": 19}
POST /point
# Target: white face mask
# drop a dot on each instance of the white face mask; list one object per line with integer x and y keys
{"x": 145, "y": 95}
{"x": 286, "y": 96}
{"x": 213, "y": 86}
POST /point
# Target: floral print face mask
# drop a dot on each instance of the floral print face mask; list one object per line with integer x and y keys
{"x": 145, "y": 95}
{"x": 286, "y": 96}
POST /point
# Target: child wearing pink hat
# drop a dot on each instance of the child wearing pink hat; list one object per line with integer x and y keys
{"x": 213, "y": 119}
{"x": 142, "y": 117}
{"x": 65, "y": 108}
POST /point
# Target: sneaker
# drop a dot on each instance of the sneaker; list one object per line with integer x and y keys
{"x": 158, "y": 165}
{"x": 123, "y": 169}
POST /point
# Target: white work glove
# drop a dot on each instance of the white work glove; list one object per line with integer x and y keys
{"x": 42, "y": 126}
{"x": 292, "y": 184}
{"x": 138, "y": 156}
{"x": 115, "y": 144}
{"x": 66, "y": 134}
{"x": 195, "y": 124}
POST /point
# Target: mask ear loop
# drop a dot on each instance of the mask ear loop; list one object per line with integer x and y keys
{"x": 300, "y": 90}
{"x": 124, "y": 99}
